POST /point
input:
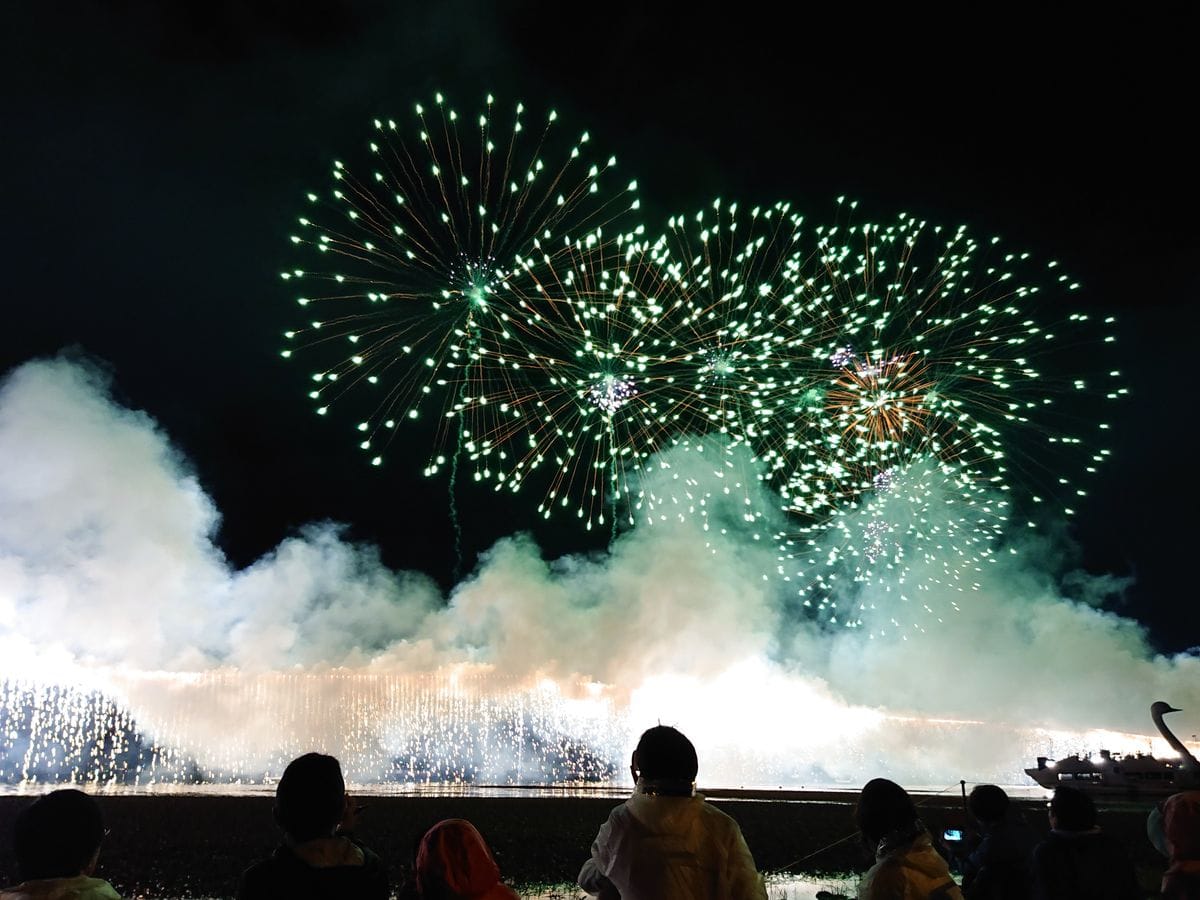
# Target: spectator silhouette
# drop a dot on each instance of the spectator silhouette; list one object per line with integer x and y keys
{"x": 666, "y": 842}
{"x": 1078, "y": 861}
{"x": 998, "y": 868}
{"x": 57, "y": 844}
{"x": 455, "y": 863}
{"x": 1174, "y": 828}
{"x": 906, "y": 863}
{"x": 318, "y": 859}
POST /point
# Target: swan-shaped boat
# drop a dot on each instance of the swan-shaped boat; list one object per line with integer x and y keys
{"x": 1134, "y": 774}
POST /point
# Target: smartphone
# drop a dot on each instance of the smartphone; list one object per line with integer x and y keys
{"x": 952, "y": 834}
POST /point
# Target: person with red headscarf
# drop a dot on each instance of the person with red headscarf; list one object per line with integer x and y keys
{"x": 1175, "y": 830}
{"x": 454, "y": 863}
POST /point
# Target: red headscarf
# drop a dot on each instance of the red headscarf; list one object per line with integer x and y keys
{"x": 1181, "y": 826}
{"x": 454, "y": 861}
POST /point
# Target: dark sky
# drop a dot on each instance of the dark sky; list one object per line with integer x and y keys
{"x": 155, "y": 155}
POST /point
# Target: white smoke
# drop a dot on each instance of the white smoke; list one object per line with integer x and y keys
{"x": 108, "y": 560}
{"x": 106, "y": 549}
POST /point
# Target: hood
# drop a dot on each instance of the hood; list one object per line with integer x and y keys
{"x": 453, "y": 853}
{"x": 81, "y": 887}
{"x": 921, "y": 856}
{"x": 1181, "y": 825}
{"x": 659, "y": 813}
{"x": 900, "y": 841}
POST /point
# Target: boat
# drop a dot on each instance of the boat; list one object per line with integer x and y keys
{"x": 1135, "y": 774}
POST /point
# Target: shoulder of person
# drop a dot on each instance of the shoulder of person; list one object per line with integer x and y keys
{"x": 884, "y": 881}
{"x": 712, "y": 809}
{"x": 621, "y": 811}
{"x": 99, "y": 889}
{"x": 370, "y": 857}
{"x": 83, "y": 887}
{"x": 374, "y": 867}
{"x": 261, "y": 876}
{"x": 1051, "y": 845}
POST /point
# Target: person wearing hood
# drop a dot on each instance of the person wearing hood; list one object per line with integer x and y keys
{"x": 1174, "y": 829}
{"x": 318, "y": 859}
{"x": 455, "y": 863}
{"x": 57, "y": 844}
{"x": 666, "y": 842}
{"x": 907, "y": 867}
{"x": 1078, "y": 861}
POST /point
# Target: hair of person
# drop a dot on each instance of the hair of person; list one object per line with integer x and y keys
{"x": 310, "y": 797}
{"x": 883, "y": 807}
{"x": 57, "y": 835}
{"x": 665, "y": 753}
{"x": 988, "y": 803}
{"x": 1073, "y": 809}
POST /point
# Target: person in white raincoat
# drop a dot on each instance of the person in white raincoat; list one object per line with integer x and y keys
{"x": 907, "y": 867}
{"x": 666, "y": 842}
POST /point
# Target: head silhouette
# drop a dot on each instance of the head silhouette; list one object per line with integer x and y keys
{"x": 665, "y": 754}
{"x": 1072, "y": 810}
{"x": 58, "y": 836}
{"x": 988, "y": 803}
{"x": 883, "y": 807}
{"x": 310, "y": 797}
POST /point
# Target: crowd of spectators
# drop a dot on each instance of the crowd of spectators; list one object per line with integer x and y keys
{"x": 666, "y": 842}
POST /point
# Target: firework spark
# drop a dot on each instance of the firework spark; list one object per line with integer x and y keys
{"x": 611, "y": 392}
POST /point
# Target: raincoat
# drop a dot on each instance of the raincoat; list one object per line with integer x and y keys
{"x": 333, "y": 867}
{"x": 454, "y": 861}
{"x": 81, "y": 887}
{"x": 657, "y": 847}
{"x": 908, "y": 869}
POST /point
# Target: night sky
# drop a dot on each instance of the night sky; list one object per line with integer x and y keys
{"x": 155, "y": 156}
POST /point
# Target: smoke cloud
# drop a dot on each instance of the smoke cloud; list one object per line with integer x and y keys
{"x": 108, "y": 564}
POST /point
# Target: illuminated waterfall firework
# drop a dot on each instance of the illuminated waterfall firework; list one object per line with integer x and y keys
{"x": 463, "y": 726}
{"x": 455, "y": 726}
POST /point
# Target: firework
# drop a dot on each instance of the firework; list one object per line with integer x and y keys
{"x": 583, "y": 414}
{"x": 943, "y": 412}
{"x": 668, "y": 339}
{"x": 899, "y": 388}
{"x": 943, "y": 347}
{"x": 726, "y": 281}
{"x": 409, "y": 320}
